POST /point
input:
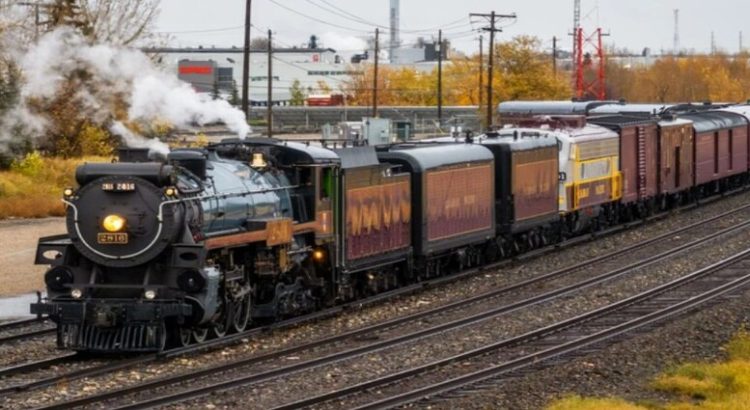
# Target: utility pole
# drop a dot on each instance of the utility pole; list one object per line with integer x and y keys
{"x": 493, "y": 18}
{"x": 37, "y": 21}
{"x": 246, "y": 62}
{"x": 554, "y": 55}
{"x": 676, "y": 40}
{"x": 481, "y": 70}
{"x": 713, "y": 43}
{"x": 270, "y": 84}
{"x": 375, "y": 75}
{"x": 440, "y": 78}
{"x": 741, "y": 45}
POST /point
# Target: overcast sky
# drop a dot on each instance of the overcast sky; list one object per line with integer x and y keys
{"x": 632, "y": 23}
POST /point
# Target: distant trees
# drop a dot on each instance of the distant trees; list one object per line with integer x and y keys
{"x": 522, "y": 71}
{"x": 716, "y": 78}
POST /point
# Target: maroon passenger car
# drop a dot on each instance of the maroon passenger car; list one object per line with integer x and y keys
{"x": 721, "y": 148}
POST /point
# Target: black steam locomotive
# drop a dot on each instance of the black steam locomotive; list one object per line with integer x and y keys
{"x": 162, "y": 253}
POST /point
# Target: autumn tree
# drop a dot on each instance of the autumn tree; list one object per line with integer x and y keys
{"x": 297, "y": 93}
{"x": 719, "y": 78}
{"x": 526, "y": 74}
{"x": 522, "y": 72}
{"x": 121, "y": 23}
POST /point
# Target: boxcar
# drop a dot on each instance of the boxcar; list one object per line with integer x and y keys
{"x": 675, "y": 156}
{"x": 638, "y": 155}
{"x": 720, "y": 143}
{"x": 743, "y": 110}
{"x": 452, "y": 194}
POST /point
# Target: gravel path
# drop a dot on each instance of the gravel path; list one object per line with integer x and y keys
{"x": 18, "y": 239}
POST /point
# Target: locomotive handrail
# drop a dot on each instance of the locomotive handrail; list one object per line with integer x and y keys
{"x": 160, "y": 217}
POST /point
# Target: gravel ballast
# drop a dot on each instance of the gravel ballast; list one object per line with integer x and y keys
{"x": 400, "y": 306}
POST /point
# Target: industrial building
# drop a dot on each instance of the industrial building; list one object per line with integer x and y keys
{"x": 209, "y": 69}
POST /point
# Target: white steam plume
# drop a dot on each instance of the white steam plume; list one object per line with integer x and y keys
{"x": 116, "y": 76}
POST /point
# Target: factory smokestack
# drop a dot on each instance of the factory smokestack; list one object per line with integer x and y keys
{"x": 395, "y": 42}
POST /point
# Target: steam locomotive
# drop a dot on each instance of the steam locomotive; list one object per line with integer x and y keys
{"x": 168, "y": 252}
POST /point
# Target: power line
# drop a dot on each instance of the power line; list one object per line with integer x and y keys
{"x": 210, "y": 30}
{"x": 413, "y": 31}
{"x": 317, "y": 19}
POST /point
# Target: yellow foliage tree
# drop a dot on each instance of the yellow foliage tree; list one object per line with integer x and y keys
{"x": 718, "y": 78}
{"x": 522, "y": 72}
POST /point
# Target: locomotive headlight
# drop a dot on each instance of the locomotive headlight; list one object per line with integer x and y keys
{"x": 170, "y": 191}
{"x": 76, "y": 293}
{"x": 113, "y": 223}
{"x": 150, "y": 294}
{"x": 68, "y": 192}
{"x": 319, "y": 255}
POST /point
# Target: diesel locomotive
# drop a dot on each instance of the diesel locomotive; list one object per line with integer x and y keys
{"x": 167, "y": 252}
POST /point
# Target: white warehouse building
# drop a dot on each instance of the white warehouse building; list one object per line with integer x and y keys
{"x": 208, "y": 69}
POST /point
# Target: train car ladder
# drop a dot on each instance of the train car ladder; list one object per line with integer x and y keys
{"x": 641, "y": 137}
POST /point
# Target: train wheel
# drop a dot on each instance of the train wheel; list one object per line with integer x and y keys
{"x": 219, "y": 329}
{"x": 199, "y": 334}
{"x": 182, "y": 336}
{"x": 241, "y": 314}
{"x": 162, "y": 335}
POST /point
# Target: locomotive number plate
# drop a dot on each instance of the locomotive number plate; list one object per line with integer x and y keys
{"x": 118, "y": 186}
{"x": 112, "y": 238}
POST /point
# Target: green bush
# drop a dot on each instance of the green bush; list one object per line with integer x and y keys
{"x": 30, "y": 165}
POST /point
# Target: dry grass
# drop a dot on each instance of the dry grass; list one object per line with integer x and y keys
{"x": 33, "y": 187}
{"x": 581, "y": 403}
{"x": 696, "y": 386}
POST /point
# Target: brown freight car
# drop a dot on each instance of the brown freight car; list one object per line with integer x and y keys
{"x": 452, "y": 194}
{"x": 638, "y": 155}
{"x": 743, "y": 110}
{"x": 675, "y": 157}
{"x": 721, "y": 148}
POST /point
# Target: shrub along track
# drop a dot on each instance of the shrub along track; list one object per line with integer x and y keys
{"x": 704, "y": 231}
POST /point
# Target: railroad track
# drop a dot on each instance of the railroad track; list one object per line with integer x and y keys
{"x": 16, "y": 330}
{"x": 257, "y": 377}
{"x": 19, "y": 323}
{"x": 560, "y": 340}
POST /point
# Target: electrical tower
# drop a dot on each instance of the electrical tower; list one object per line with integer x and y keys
{"x": 595, "y": 85}
{"x": 576, "y": 27}
{"x": 676, "y": 45}
{"x": 588, "y": 67}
